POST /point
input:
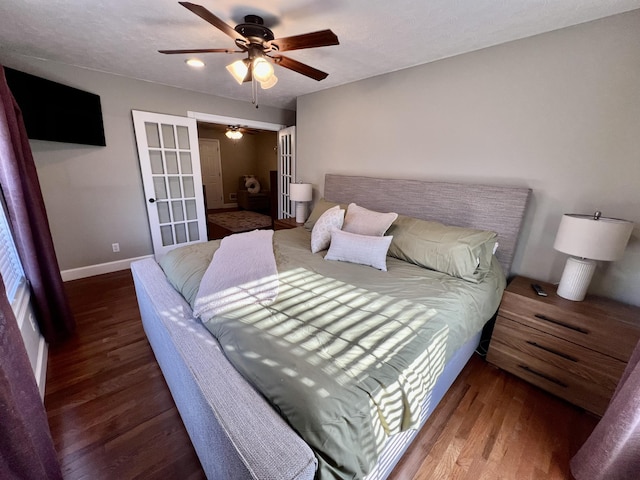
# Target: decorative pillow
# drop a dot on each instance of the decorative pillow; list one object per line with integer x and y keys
{"x": 460, "y": 252}
{"x": 362, "y": 249}
{"x": 319, "y": 208}
{"x": 367, "y": 222}
{"x": 252, "y": 184}
{"x": 185, "y": 267}
{"x": 321, "y": 234}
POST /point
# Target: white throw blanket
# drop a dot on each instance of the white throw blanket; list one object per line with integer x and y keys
{"x": 242, "y": 272}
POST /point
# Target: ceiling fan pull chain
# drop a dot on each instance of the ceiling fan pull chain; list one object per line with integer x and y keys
{"x": 254, "y": 91}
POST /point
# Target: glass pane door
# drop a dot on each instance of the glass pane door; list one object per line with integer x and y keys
{"x": 170, "y": 166}
{"x": 286, "y": 170}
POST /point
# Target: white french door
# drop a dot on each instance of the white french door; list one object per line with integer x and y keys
{"x": 171, "y": 177}
{"x": 286, "y": 170}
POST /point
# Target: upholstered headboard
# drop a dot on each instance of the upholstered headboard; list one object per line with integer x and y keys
{"x": 496, "y": 208}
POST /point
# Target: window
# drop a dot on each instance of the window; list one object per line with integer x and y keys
{"x": 16, "y": 286}
{"x": 10, "y": 266}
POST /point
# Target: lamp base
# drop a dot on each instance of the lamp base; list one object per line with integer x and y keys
{"x": 301, "y": 212}
{"x": 576, "y": 278}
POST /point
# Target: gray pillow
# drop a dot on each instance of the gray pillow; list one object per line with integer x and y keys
{"x": 185, "y": 267}
{"x": 460, "y": 252}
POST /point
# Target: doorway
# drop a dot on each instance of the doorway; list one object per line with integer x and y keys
{"x": 254, "y": 154}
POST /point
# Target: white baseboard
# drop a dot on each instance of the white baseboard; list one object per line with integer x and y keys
{"x": 91, "y": 270}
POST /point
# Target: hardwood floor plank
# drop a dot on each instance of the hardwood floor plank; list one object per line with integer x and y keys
{"x": 110, "y": 411}
{"x": 112, "y": 415}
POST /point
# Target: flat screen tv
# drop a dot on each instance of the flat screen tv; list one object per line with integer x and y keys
{"x": 57, "y": 112}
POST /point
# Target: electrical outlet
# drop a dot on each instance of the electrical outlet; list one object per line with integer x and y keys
{"x": 115, "y": 247}
{"x": 233, "y": 196}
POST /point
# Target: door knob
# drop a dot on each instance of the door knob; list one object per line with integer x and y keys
{"x": 151, "y": 200}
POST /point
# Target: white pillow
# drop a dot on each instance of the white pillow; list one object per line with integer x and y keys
{"x": 362, "y": 249}
{"x": 367, "y": 222}
{"x": 321, "y": 234}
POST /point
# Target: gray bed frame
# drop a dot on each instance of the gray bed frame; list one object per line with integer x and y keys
{"x": 234, "y": 430}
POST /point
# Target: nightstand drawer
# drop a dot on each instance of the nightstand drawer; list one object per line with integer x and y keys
{"x": 601, "y": 371}
{"x": 575, "y": 350}
{"x": 595, "y": 332}
{"x": 550, "y": 378}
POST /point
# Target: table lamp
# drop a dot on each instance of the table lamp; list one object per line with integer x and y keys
{"x": 301, "y": 193}
{"x": 588, "y": 238}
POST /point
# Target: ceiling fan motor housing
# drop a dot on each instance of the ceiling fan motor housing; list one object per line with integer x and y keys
{"x": 254, "y": 30}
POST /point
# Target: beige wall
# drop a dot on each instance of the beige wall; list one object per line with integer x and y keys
{"x": 93, "y": 195}
{"x": 253, "y": 154}
{"x": 559, "y": 113}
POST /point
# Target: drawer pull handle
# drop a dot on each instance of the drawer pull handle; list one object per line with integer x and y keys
{"x": 542, "y": 375}
{"x": 562, "y": 324}
{"x": 551, "y": 350}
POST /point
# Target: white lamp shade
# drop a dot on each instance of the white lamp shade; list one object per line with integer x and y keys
{"x": 300, "y": 192}
{"x": 584, "y": 236}
{"x": 238, "y": 70}
{"x": 269, "y": 83}
{"x": 262, "y": 70}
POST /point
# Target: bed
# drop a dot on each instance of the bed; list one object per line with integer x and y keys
{"x": 235, "y": 430}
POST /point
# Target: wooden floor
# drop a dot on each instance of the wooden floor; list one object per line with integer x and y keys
{"x": 112, "y": 416}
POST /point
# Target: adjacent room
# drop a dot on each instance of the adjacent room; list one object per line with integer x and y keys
{"x": 317, "y": 240}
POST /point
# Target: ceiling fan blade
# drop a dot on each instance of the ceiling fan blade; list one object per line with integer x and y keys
{"x": 323, "y": 38}
{"x": 299, "y": 67}
{"x": 202, "y": 50}
{"x": 212, "y": 19}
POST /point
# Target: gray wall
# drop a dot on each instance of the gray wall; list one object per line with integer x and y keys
{"x": 93, "y": 195}
{"x": 559, "y": 113}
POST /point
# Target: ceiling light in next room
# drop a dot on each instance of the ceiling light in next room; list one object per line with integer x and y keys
{"x": 233, "y": 133}
{"x": 194, "y": 62}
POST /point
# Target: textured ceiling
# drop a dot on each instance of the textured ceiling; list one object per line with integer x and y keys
{"x": 376, "y": 36}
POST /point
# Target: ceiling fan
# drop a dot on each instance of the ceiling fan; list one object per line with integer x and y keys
{"x": 258, "y": 41}
{"x": 235, "y": 132}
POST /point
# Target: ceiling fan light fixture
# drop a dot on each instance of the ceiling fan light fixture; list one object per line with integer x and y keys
{"x": 262, "y": 70}
{"x": 269, "y": 83}
{"x": 233, "y": 133}
{"x": 238, "y": 70}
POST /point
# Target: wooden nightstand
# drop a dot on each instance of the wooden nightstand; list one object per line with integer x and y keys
{"x": 284, "y": 223}
{"x": 575, "y": 350}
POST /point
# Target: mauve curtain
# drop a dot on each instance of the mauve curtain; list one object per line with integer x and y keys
{"x": 28, "y": 218}
{"x": 612, "y": 452}
{"x": 26, "y": 448}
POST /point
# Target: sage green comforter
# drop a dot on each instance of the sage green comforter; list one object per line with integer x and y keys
{"x": 347, "y": 354}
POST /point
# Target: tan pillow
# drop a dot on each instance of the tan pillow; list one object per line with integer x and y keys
{"x": 319, "y": 208}
{"x": 460, "y": 252}
{"x": 367, "y": 222}
{"x": 363, "y": 249}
